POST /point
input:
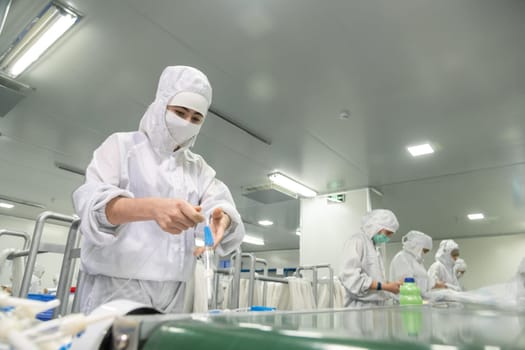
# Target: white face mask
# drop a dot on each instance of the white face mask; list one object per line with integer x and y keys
{"x": 181, "y": 130}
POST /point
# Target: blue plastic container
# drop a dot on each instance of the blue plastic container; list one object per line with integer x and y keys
{"x": 45, "y": 315}
{"x": 261, "y": 308}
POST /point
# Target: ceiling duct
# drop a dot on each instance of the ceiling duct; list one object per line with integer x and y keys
{"x": 268, "y": 193}
{"x": 11, "y": 93}
{"x": 70, "y": 168}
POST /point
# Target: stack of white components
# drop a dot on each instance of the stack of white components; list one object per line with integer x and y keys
{"x": 278, "y": 295}
{"x": 244, "y": 291}
{"x": 301, "y": 294}
{"x": 200, "y": 297}
{"x": 296, "y": 295}
{"x": 223, "y": 294}
{"x": 20, "y": 330}
{"x": 323, "y": 293}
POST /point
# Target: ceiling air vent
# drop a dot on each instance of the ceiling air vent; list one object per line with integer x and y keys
{"x": 268, "y": 193}
{"x": 11, "y": 93}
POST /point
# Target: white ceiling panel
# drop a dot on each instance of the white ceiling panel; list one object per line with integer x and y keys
{"x": 446, "y": 72}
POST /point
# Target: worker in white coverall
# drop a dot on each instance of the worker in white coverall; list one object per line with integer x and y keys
{"x": 460, "y": 267}
{"x": 145, "y": 199}
{"x": 409, "y": 261}
{"x": 362, "y": 266}
{"x": 442, "y": 270}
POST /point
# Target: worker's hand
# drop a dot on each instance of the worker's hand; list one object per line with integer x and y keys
{"x": 392, "y": 287}
{"x": 219, "y": 223}
{"x": 176, "y": 215}
{"x": 440, "y": 285}
{"x": 198, "y": 251}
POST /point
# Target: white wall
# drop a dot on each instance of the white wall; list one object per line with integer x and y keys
{"x": 280, "y": 258}
{"x": 326, "y": 226}
{"x": 490, "y": 260}
{"x": 52, "y": 234}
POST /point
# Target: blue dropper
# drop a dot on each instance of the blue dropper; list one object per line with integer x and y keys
{"x": 208, "y": 238}
{"x": 208, "y": 257}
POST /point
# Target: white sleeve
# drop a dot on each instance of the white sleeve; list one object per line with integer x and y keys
{"x": 100, "y": 187}
{"x": 399, "y": 268}
{"x": 217, "y": 195}
{"x": 435, "y": 274}
{"x": 355, "y": 280}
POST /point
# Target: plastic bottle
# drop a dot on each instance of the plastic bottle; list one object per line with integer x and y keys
{"x": 409, "y": 294}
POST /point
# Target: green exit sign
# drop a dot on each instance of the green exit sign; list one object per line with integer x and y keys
{"x": 336, "y": 198}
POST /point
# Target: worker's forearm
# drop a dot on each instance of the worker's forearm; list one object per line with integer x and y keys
{"x": 373, "y": 286}
{"x": 121, "y": 210}
{"x": 388, "y": 286}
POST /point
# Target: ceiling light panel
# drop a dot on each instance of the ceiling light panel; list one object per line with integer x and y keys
{"x": 420, "y": 150}
{"x": 291, "y": 184}
{"x": 253, "y": 240}
{"x": 37, "y": 37}
{"x": 476, "y": 216}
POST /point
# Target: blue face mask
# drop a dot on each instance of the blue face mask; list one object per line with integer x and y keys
{"x": 380, "y": 238}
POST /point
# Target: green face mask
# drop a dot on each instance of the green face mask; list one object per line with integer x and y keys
{"x": 380, "y": 238}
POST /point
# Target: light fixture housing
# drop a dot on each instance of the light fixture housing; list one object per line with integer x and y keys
{"x": 290, "y": 184}
{"x": 20, "y": 201}
{"x": 253, "y": 240}
{"x": 419, "y": 150}
{"x": 52, "y": 22}
{"x": 6, "y": 205}
{"x": 265, "y": 222}
{"x": 476, "y": 216}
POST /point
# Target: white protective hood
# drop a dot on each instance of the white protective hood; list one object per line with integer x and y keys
{"x": 443, "y": 254}
{"x": 414, "y": 242}
{"x": 377, "y": 220}
{"x": 173, "y": 80}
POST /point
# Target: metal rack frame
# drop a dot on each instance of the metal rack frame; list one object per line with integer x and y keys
{"x": 23, "y": 235}
{"x": 70, "y": 251}
{"x": 315, "y": 282}
{"x": 25, "y": 246}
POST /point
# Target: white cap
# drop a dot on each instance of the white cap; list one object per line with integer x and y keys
{"x": 191, "y": 100}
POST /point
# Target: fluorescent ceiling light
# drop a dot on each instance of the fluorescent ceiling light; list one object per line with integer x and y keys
{"x": 253, "y": 240}
{"x": 476, "y": 216}
{"x": 265, "y": 222}
{"x": 21, "y": 201}
{"x": 420, "y": 150}
{"x": 37, "y": 37}
{"x": 291, "y": 185}
{"x": 6, "y": 205}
